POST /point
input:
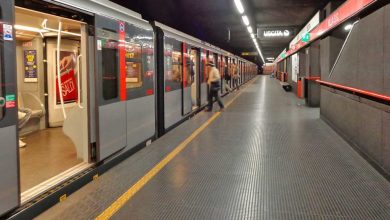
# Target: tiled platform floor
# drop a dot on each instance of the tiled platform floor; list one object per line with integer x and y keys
{"x": 266, "y": 157}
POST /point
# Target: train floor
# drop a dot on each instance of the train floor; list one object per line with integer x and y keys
{"x": 267, "y": 156}
{"x": 48, "y": 153}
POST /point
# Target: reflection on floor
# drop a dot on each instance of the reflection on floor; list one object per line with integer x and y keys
{"x": 48, "y": 153}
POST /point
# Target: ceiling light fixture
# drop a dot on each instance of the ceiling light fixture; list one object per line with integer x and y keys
{"x": 250, "y": 30}
{"x": 31, "y": 29}
{"x": 239, "y": 6}
{"x": 245, "y": 20}
{"x": 348, "y": 27}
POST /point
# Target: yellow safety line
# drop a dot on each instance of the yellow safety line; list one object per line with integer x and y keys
{"x": 121, "y": 201}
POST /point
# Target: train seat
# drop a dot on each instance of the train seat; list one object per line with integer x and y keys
{"x": 32, "y": 102}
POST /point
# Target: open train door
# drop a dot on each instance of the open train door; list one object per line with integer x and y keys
{"x": 110, "y": 86}
{"x": 9, "y": 181}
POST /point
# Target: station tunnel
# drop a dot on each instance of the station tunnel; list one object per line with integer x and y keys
{"x": 182, "y": 109}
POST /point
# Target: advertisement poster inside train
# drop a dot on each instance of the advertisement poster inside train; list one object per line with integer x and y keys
{"x": 68, "y": 64}
{"x": 30, "y": 66}
{"x": 295, "y": 67}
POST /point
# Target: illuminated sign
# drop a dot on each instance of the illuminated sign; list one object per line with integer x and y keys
{"x": 308, "y": 27}
{"x": 276, "y": 33}
{"x": 306, "y": 38}
{"x": 249, "y": 53}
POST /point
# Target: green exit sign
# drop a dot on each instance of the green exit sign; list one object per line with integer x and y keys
{"x": 306, "y": 38}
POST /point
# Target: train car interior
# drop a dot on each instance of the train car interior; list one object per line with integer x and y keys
{"x": 53, "y": 120}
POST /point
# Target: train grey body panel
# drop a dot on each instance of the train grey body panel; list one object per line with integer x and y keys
{"x": 140, "y": 120}
{"x": 9, "y": 196}
{"x": 203, "y": 93}
{"x": 112, "y": 133}
{"x": 172, "y": 108}
{"x": 187, "y": 100}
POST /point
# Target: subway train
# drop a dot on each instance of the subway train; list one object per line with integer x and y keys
{"x": 85, "y": 84}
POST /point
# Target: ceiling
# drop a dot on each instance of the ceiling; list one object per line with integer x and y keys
{"x": 211, "y": 20}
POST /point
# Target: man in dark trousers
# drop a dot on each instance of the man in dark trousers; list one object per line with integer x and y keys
{"x": 214, "y": 81}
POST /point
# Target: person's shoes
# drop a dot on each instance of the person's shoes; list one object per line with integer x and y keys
{"x": 22, "y": 144}
{"x": 222, "y": 109}
{"x": 208, "y": 110}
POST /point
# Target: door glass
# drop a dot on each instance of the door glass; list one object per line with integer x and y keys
{"x": 110, "y": 63}
{"x": 133, "y": 65}
{"x": 2, "y": 99}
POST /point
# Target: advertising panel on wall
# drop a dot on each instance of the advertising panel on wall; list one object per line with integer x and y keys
{"x": 295, "y": 67}
{"x": 30, "y": 66}
{"x": 68, "y": 73}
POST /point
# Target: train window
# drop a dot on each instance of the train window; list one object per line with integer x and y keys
{"x": 211, "y": 58}
{"x": 190, "y": 65}
{"x": 110, "y": 63}
{"x": 110, "y": 73}
{"x": 203, "y": 75}
{"x": 173, "y": 64}
{"x": 133, "y": 65}
{"x": 2, "y": 98}
{"x": 176, "y": 66}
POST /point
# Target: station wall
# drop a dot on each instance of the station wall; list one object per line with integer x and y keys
{"x": 364, "y": 64}
{"x": 312, "y": 69}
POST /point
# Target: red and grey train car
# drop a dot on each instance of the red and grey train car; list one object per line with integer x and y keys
{"x": 84, "y": 84}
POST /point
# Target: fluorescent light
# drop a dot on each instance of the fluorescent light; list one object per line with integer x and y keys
{"x": 31, "y": 29}
{"x": 250, "y": 30}
{"x": 245, "y": 20}
{"x": 252, "y": 36}
{"x": 239, "y": 6}
{"x": 348, "y": 27}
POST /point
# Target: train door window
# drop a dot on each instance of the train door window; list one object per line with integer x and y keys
{"x": 133, "y": 65}
{"x": 2, "y": 99}
{"x": 189, "y": 70}
{"x": 212, "y": 58}
{"x": 203, "y": 75}
{"x": 173, "y": 64}
{"x": 139, "y": 56}
{"x": 194, "y": 69}
{"x": 110, "y": 62}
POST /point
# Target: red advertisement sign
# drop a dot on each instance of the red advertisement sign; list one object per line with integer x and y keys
{"x": 68, "y": 65}
{"x": 345, "y": 11}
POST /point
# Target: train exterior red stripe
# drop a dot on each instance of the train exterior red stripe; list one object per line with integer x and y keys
{"x": 122, "y": 60}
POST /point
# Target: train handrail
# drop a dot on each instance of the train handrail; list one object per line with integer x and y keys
{"x": 355, "y": 90}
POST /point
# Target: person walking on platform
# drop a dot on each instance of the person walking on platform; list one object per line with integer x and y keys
{"x": 235, "y": 76}
{"x": 214, "y": 82}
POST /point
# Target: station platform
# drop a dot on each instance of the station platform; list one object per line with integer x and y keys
{"x": 267, "y": 156}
